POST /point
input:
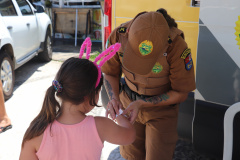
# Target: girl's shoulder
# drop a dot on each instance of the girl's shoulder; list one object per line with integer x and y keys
{"x": 30, "y": 148}
{"x": 37, "y": 141}
{"x": 34, "y": 143}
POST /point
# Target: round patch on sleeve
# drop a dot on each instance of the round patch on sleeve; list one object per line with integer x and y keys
{"x": 145, "y": 47}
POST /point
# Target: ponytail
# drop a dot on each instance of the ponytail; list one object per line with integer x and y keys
{"x": 171, "y": 22}
{"x": 50, "y": 110}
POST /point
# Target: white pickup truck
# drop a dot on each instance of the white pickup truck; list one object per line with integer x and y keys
{"x": 24, "y": 34}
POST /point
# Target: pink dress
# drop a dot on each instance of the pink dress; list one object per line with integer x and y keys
{"x": 71, "y": 142}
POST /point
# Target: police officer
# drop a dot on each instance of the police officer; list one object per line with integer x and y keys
{"x": 158, "y": 72}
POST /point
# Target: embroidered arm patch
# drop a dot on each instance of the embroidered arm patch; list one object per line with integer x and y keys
{"x": 186, "y": 55}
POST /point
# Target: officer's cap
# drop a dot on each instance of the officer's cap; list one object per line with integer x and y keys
{"x": 147, "y": 40}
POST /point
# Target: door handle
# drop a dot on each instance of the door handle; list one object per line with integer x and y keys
{"x": 28, "y": 24}
{"x": 9, "y": 27}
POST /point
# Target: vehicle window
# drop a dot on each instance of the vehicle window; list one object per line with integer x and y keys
{"x": 24, "y": 7}
{"x": 7, "y": 8}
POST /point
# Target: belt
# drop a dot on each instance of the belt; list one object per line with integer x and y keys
{"x": 131, "y": 94}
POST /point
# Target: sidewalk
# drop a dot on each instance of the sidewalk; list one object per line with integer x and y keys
{"x": 184, "y": 149}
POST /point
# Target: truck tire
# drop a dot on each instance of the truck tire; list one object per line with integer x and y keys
{"x": 46, "y": 54}
{"x": 7, "y": 74}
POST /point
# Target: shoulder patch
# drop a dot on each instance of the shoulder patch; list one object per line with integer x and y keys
{"x": 122, "y": 29}
{"x": 188, "y": 62}
{"x": 185, "y": 53}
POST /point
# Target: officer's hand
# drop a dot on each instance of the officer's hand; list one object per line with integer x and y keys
{"x": 132, "y": 110}
{"x": 113, "y": 108}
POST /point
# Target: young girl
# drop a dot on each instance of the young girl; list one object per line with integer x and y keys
{"x": 62, "y": 130}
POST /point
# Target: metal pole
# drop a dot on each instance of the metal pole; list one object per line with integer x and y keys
{"x": 88, "y": 13}
{"x": 76, "y": 27}
{"x": 60, "y": 3}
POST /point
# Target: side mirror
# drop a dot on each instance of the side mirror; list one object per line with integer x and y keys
{"x": 39, "y": 8}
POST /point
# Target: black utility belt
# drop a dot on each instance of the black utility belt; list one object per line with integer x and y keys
{"x": 131, "y": 94}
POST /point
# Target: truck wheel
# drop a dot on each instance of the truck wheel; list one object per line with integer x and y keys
{"x": 7, "y": 74}
{"x": 46, "y": 55}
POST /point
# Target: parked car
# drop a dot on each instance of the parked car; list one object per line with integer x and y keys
{"x": 25, "y": 32}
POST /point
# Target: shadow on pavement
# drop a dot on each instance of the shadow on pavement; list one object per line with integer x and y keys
{"x": 68, "y": 45}
{"x": 23, "y": 73}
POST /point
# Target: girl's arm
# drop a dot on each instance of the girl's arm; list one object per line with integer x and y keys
{"x": 30, "y": 148}
{"x": 28, "y": 151}
{"x": 122, "y": 133}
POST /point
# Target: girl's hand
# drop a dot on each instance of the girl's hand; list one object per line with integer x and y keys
{"x": 113, "y": 108}
{"x": 132, "y": 110}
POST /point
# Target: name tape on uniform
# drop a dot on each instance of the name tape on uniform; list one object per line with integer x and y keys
{"x": 185, "y": 53}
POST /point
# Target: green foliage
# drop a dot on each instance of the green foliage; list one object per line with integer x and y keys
{"x": 94, "y": 55}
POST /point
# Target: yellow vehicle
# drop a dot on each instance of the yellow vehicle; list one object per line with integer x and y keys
{"x": 212, "y": 31}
